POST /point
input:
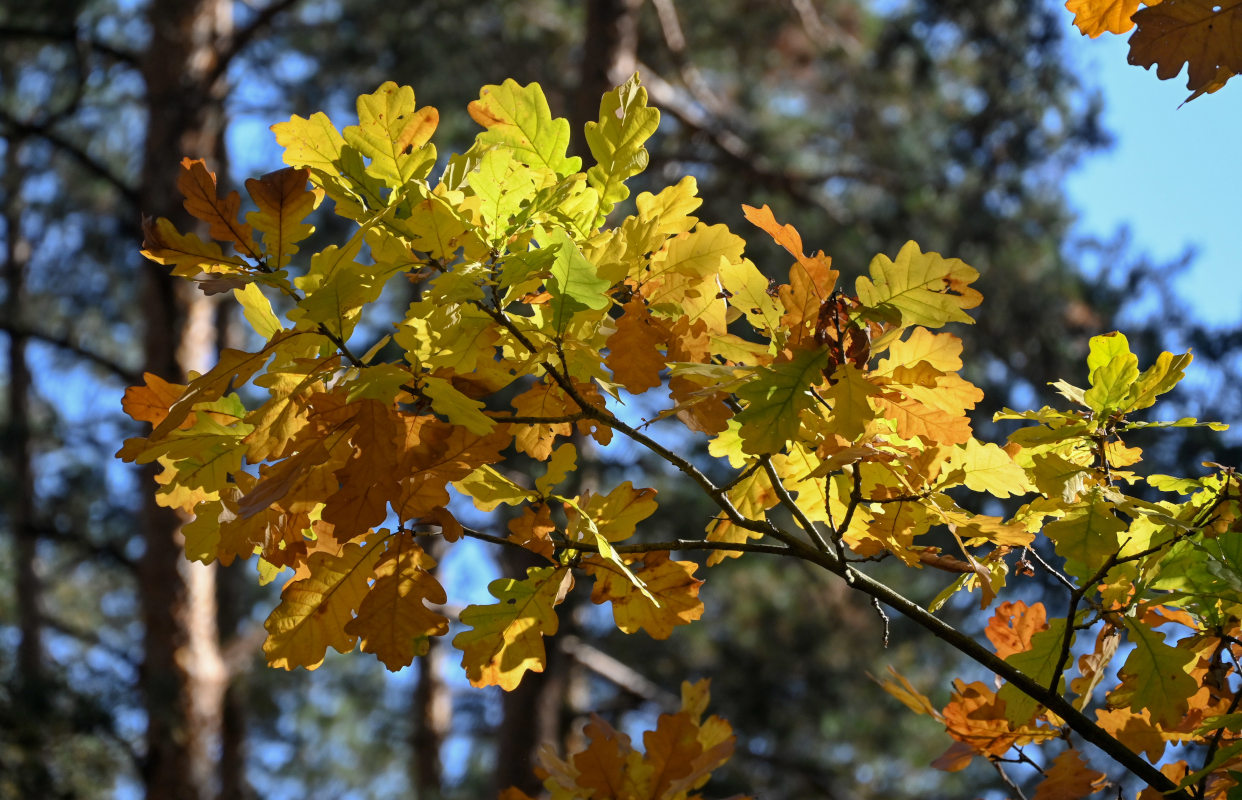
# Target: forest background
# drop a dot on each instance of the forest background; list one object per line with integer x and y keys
{"x": 127, "y": 671}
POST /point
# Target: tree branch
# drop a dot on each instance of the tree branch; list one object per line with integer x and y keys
{"x": 18, "y": 128}
{"x": 736, "y": 152}
{"x": 119, "y": 371}
{"x": 68, "y": 35}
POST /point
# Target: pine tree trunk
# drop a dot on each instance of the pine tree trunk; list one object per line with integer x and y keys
{"x": 32, "y": 687}
{"x": 183, "y": 677}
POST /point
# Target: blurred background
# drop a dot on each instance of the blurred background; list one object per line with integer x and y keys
{"x": 974, "y": 128}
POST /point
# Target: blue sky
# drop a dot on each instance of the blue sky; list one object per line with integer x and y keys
{"x": 1173, "y": 176}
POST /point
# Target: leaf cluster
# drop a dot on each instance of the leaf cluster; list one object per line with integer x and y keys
{"x": 835, "y": 408}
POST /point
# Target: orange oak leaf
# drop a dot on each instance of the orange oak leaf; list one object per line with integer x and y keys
{"x": 811, "y": 279}
{"x": 1135, "y": 731}
{"x": 634, "y": 349}
{"x": 151, "y": 401}
{"x": 671, "y": 583}
{"x": 1069, "y": 778}
{"x": 914, "y": 418}
{"x": 671, "y": 751}
{"x": 222, "y": 214}
{"x": 233, "y": 367}
{"x": 505, "y": 639}
{"x": 1094, "y": 17}
{"x": 316, "y": 606}
{"x": 437, "y": 453}
{"x": 283, "y": 201}
{"x": 393, "y": 620}
{"x": 1205, "y": 34}
{"x": 544, "y": 400}
{"x": 369, "y": 479}
{"x": 976, "y": 717}
{"x": 680, "y": 755}
{"x": 533, "y": 529}
{"x": 609, "y": 767}
{"x": 1010, "y": 629}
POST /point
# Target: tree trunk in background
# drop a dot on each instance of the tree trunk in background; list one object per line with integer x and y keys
{"x": 238, "y": 642}
{"x": 432, "y": 711}
{"x": 32, "y": 701}
{"x": 183, "y": 677}
{"x": 609, "y": 57}
{"x": 536, "y": 712}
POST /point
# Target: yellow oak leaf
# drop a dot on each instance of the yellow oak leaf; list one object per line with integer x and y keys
{"x": 1094, "y": 17}
{"x": 849, "y": 392}
{"x": 926, "y": 288}
{"x": 393, "y": 620}
{"x": 315, "y": 606}
{"x": 517, "y": 117}
{"x": 671, "y": 583}
{"x": 721, "y": 529}
{"x": 617, "y": 514}
{"x": 1205, "y": 34}
{"x": 187, "y": 254}
{"x": 987, "y": 468}
{"x": 394, "y": 134}
{"x": 505, "y": 640}
{"x": 943, "y": 351}
{"x": 749, "y": 293}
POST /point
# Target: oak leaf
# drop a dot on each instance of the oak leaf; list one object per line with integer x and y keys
{"x": 393, "y": 621}
{"x": 1069, "y": 778}
{"x": 222, "y": 214}
{"x": 616, "y": 143}
{"x": 283, "y": 203}
{"x": 926, "y": 288}
{"x": 1154, "y": 676}
{"x": 1013, "y": 624}
{"x": 316, "y": 605}
{"x": 1094, "y": 17}
{"x": 505, "y": 639}
{"x": 634, "y": 349}
{"x": 187, "y": 254}
{"x": 774, "y": 399}
{"x": 394, "y": 134}
{"x": 671, "y": 583}
{"x": 1205, "y": 34}
{"x": 517, "y": 118}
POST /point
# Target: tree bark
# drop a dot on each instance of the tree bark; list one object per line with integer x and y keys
{"x": 183, "y": 677}
{"x": 32, "y": 695}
